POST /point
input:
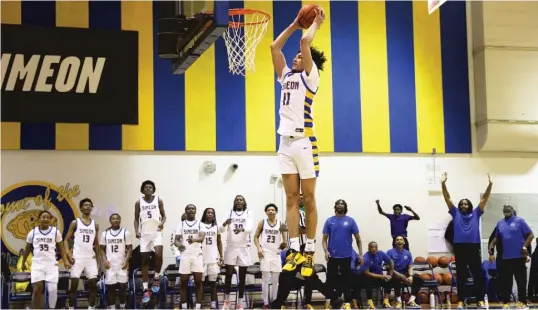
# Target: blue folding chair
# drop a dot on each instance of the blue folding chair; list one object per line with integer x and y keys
{"x": 468, "y": 280}
{"x": 254, "y": 288}
{"x": 170, "y": 275}
{"x": 13, "y": 296}
{"x": 430, "y": 285}
{"x": 137, "y": 287}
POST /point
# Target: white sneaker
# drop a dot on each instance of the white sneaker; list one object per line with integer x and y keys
{"x": 227, "y": 305}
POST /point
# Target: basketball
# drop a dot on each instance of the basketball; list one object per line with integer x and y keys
{"x": 419, "y": 260}
{"x": 306, "y": 16}
{"x": 432, "y": 260}
{"x": 447, "y": 278}
{"x": 443, "y": 261}
{"x": 424, "y": 298}
{"x": 439, "y": 277}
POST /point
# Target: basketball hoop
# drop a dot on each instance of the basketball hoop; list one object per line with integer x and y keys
{"x": 245, "y": 30}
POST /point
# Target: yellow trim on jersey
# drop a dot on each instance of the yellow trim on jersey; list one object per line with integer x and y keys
{"x": 315, "y": 154}
{"x": 308, "y": 120}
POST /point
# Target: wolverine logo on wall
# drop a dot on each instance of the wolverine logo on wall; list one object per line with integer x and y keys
{"x": 20, "y": 208}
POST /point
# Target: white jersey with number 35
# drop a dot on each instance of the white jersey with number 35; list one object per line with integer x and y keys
{"x": 297, "y": 101}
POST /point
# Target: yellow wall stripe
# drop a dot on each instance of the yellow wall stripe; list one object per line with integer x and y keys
{"x": 138, "y": 15}
{"x": 428, "y": 79}
{"x": 72, "y": 136}
{"x": 374, "y": 77}
{"x": 260, "y": 90}
{"x": 323, "y": 108}
{"x": 200, "y": 103}
{"x": 11, "y": 131}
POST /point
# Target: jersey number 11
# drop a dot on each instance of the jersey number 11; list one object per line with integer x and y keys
{"x": 286, "y": 98}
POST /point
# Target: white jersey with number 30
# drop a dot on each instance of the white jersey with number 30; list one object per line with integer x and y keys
{"x": 296, "y": 102}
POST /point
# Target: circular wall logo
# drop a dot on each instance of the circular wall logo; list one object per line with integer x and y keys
{"x": 20, "y": 208}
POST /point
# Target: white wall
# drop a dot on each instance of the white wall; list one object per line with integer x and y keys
{"x": 113, "y": 181}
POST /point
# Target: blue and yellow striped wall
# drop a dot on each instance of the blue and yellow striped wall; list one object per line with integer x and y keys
{"x": 396, "y": 82}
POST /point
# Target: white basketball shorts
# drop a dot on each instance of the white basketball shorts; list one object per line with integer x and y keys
{"x": 149, "y": 241}
{"x": 237, "y": 256}
{"x": 299, "y": 156}
{"x": 115, "y": 275}
{"x": 44, "y": 273}
{"x": 211, "y": 271}
{"x": 86, "y": 265}
{"x": 271, "y": 263}
{"x": 191, "y": 263}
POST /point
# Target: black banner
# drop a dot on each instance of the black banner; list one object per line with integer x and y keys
{"x": 69, "y": 75}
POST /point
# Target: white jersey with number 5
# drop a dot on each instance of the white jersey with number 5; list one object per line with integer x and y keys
{"x": 44, "y": 243}
{"x": 296, "y": 102}
{"x": 271, "y": 237}
{"x": 150, "y": 215}
{"x": 210, "y": 249}
{"x": 84, "y": 238}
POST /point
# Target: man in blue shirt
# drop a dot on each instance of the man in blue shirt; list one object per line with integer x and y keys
{"x": 398, "y": 222}
{"x": 338, "y": 233}
{"x": 467, "y": 242}
{"x": 515, "y": 235}
{"x": 372, "y": 274}
{"x": 403, "y": 274}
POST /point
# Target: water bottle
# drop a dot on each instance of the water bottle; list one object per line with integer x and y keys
{"x": 432, "y": 300}
{"x": 486, "y": 302}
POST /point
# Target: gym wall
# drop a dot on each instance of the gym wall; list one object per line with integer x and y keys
{"x": 396, "y": 82}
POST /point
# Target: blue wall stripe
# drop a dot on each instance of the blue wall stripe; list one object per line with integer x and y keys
{"x": 38, "y": 136}
{"x": 169, "y": 100}
{"x": 457, "y": 113}
{"x": 230, "y": 100}
{"x": 285, "y": 13}
{"x": 105, "y": 15}
{"x": 401, "y": 76}
{"x": 346, "y": 77}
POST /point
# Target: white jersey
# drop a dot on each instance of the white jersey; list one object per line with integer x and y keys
{"x": 84, "y": 238}
{"x": 240, "y": 219}
{"x": 209, "y": 247}
{"x": 271, "y": 237}
{"x": 189, "y": 230}
{"x": 150, "y": 215}
{"x": 116, "y": 242}
{"x": 44, "y": 243}
{"x": 296, "y": 102}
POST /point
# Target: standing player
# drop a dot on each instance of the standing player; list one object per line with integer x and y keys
{"x": 239, "y": 227}
{"x": 298, "y": 150}
{"x": 116, "y": 249}
{"x": 84, "y": 258}
{"x": 42, "y": 241}
{"x": 271, "y": 232}
{"x": 149, "y": 221}
{"x": 398, "y": 222}
{"x": 189, "y": 240}
{"x": 212, "y": 249}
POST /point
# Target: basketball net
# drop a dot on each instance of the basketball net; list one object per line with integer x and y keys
{"x": 245, "y": 31}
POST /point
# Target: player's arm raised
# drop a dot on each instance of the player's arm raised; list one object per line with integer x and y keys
{"x": 446, "y": 195}
{"x": 307, "y": 38}
{"x": 485, "y": 197}
{"x": 279, "y": 61}
{"x": 163, "y": 214}
{"x": 137, "y": 219}
{"x": 70, "y": 232}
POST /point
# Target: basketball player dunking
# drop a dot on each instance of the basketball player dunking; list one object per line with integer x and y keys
{"x": 298, "y": 150}
{"x": 116, "y": 248}
{"x": 84, "y": 258}
{"x": 42, "y": 241}
{"x": 149, "y": 220}
{"x": 237, "y": 253}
